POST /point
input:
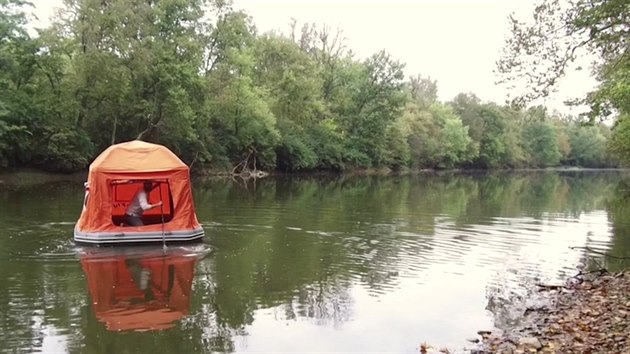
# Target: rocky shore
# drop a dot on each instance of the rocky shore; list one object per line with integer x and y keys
{"x": 589, "y": 314}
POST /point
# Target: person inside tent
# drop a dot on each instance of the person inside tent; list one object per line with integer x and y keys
{"x": 139, "y": 204}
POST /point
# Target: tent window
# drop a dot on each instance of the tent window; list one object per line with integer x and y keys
{"x": 123, "y": 191}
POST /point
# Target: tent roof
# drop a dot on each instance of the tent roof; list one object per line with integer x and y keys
{"x": 137, "y": 156}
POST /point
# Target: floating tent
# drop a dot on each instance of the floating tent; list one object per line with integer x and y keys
{"x": 115, "y": 177}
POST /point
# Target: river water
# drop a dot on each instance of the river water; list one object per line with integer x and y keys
{"x": 306, "y": 264}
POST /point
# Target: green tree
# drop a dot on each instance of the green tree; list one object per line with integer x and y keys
{"x": 423, "y": 91}
{"x": 241, "y": 116}
{"x": 150, "y": 87}
{"x": 17, "y": 54}
{"x": 492, "y": 147}
{"x": 436, "y": 136}
{"x": 32, "y": 130}
{"x": 588, "y": 146}
{"x": 291, "y": 77}
{"x": 516, "y": 157}
{"x": 196, "y": 76}
{"x": 377, "y": 100}
{"x": 244, "y": 124}
{"x": 561, "y": 33}
{"x": 620, "y": 141}
{"x": 487, "y": 127}
{"x": 541, "y": 144}
{"x": 422, "y": 136}
{"x": 455, "y": 147}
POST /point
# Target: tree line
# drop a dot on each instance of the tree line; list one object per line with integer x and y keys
{"x": 196, "y": 76}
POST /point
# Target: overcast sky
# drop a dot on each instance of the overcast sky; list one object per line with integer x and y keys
{"x": 455, "y": 42}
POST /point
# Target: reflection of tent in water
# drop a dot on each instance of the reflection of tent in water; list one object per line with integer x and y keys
{"x": 140, "y": 293}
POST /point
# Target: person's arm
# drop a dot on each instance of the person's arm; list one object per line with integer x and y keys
{"x": 144, "y": 204}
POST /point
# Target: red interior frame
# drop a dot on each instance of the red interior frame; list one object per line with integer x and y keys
{"x": 122, "y": 191}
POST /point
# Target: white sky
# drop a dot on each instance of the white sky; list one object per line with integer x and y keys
{"x": 455, "y": 42}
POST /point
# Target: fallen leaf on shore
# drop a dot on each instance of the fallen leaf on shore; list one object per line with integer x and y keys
{"x": 590, "y": 317}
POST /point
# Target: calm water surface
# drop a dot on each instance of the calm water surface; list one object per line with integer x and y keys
{"x": 361, "y": 264}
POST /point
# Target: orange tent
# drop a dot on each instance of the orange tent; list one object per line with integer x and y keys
{"x": 140, "y": 293}
{"x": 114, "y": 178}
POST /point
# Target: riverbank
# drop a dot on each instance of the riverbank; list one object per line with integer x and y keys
{"x": 29, "y": 175}
{"x": 588, "y": 314}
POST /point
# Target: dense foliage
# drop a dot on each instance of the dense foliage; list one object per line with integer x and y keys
{"x": 196, "y": 76}
{"x": 541, "y": 52}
